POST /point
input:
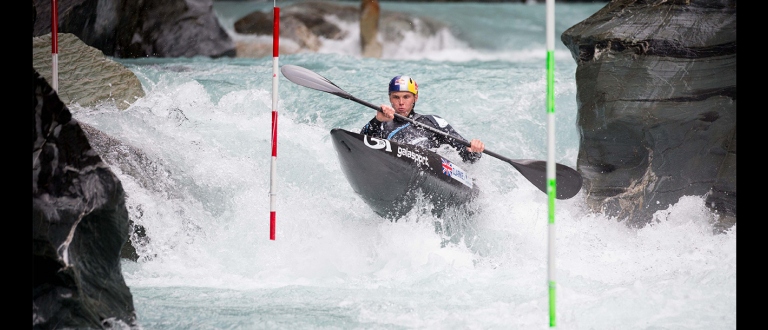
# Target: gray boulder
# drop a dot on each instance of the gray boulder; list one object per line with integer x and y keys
{"x": 305, "y": 22}
{"x": 79, "y": 226}
{"x": 88, "y": 78}
{"x": 656, "y": 95}
{"x": 147, "y": 172}
{"x": 140, "y": 28}
{"x": 85, "y": 75}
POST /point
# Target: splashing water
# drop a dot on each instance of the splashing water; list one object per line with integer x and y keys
{"x": 199, "y": 187}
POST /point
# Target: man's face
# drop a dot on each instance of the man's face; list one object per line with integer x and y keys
{"x": 402, "y": 102}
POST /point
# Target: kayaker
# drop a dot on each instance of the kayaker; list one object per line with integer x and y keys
{"x": 403, "y": 94}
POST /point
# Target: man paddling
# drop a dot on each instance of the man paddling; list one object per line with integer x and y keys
{"x": 403, "y": 94}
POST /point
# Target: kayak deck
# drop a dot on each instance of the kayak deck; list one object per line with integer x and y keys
{"x": 388, "y": 176}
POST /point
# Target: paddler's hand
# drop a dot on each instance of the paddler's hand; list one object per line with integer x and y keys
{"x": 476, "y": 146}
{"x": 387, "y": 113}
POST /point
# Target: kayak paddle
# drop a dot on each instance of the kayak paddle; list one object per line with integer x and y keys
{"x": 567, "y": 179}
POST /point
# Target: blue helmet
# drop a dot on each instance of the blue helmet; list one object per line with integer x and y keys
{"x": 403, "y": 84}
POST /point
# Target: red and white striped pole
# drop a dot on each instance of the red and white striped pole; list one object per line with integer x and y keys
{"x": 272, "y": 181}
{"x": 55, "y": 45}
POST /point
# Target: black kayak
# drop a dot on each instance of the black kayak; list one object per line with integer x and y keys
{"x": 390, "y": 176}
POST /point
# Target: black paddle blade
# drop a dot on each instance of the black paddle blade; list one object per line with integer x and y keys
{"x": 567, "y": 180}
{"x": 308, "y": 78}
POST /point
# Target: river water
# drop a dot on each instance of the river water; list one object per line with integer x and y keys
{"x": 201, "y": 192}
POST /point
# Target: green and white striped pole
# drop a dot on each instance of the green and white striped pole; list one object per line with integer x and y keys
{"x": 551, "y": 184}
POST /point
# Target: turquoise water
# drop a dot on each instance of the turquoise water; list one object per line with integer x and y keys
{"x": 205, "y": 125}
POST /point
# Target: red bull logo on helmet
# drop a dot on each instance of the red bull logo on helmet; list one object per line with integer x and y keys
{"x": 403, "y": 84}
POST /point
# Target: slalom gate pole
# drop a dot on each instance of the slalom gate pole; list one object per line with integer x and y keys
{"x": 55, "y": 45}
{"x": 551, "y": 184}
{"x": 273, "y": 167}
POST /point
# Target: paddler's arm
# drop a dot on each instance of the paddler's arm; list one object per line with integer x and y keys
{"x": 476, "y": 146}
{"x": 373, "y": 127}
{"x": 473, "y": 152}
{"x": 387, "y": 113}
{"x": 470, "y": 153}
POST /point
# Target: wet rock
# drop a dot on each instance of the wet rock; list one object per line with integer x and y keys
{"x": 656, "y": 91}
{"x": 85, "y": 75}
{"x": 140, "y": 28}
{"x": 79, "y": 226}
{"x": 307, "y": 23}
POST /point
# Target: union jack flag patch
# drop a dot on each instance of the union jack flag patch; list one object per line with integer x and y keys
{"x": 447, "y": 167}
